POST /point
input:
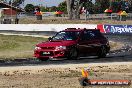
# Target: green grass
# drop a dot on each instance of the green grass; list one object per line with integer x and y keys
{"x": 12, "y": 46}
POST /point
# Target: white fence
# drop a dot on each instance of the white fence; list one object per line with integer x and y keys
{"x": 104, "y": 16}
{"x": 86, "y": 16}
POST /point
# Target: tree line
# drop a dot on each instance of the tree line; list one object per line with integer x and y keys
{"x": 73, "y": 7}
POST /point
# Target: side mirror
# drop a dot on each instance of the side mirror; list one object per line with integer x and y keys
{"x": 49, "y": 38}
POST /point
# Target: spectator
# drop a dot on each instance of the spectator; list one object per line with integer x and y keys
{"x": 87, "y": 14}
{"x": 17, "y": 19}
{"x": 126, "y": 6}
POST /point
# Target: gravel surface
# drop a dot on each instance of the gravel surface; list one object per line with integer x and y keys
{"x": 62, "y": 76}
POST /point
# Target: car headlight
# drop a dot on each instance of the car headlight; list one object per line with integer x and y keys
{"x": 60, "y": 47}
{"x": 37, "y": 48}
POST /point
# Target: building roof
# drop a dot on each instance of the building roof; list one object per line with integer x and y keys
{"x": 6, "y": 5}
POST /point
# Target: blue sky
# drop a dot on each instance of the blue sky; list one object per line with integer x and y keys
{"x": 49, "y": 3}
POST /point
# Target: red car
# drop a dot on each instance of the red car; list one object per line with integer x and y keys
{"x": 73, "y": 43}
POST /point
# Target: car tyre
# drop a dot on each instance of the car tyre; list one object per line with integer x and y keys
{"x": 102, "y": 52}
{"x": 43, "y": 59}
{"x": 73, "y": 54}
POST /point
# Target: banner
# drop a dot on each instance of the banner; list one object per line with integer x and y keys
{"x": 115, "y": 28}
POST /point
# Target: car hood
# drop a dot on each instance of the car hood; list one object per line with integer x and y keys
{"x": 56, "y": 43}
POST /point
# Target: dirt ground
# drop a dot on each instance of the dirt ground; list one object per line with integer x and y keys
{"x": 62, "y": 76}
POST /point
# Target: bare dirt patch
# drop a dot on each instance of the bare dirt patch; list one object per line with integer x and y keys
{"x": 62, "y": 76}
{"x": 115, "y": 45}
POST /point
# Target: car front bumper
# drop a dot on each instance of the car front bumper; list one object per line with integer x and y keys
{"x": 52, "y": 55}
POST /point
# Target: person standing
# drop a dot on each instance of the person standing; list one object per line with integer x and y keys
{"x": 17, "y": 19}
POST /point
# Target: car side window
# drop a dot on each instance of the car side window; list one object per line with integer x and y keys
{"x": 89, "y": 35}
{"x": 92, "y": 35}
{"x": 85, "y": 36}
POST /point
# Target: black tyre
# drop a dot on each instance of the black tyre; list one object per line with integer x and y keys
{"x": 73, "y": 54}
{"x": 43, "y": 59}
{"x": 102, "y": 52}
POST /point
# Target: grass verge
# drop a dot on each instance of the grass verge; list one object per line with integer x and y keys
{"x": 13, "y": 46}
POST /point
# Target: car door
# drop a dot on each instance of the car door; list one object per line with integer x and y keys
{"x": 85, "y": 44}
{"x": 94, "y": 42}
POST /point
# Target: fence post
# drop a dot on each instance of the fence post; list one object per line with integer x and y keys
{"x": 111, "y": 16}
{"x": 102, "y": 16}
{"x": 86, "y": 16}
{"x": 120, "y": 17}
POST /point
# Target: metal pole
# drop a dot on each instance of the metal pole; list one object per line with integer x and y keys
{"x": 11, "y": 12}
{"x": 0, "y": 16}
{"x": 110, "y": 3}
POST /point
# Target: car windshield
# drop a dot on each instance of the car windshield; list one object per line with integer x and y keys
{"x": 66, "y": 35}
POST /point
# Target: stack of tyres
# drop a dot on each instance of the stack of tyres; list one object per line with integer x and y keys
{"x": 6, "y": 21}
{"x": 39, "y": 17}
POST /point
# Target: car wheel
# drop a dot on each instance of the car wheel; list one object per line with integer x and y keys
{"x": 102, "y": 52}
{"x": 43, "y": 59}
{"x": 73, "y": 54}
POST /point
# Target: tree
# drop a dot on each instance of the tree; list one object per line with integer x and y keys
{"x": 44, "y": 9}
{"x": 97, "y": 8}
{"x": 2, "y": 0}
{"x": 69, "y": 8}
{"x": 53, "y": 8}
{"x": 16, "y": 3}
{"x": 74, "y": 7}
{"x": 118, "y": 5}
{"x": 62, "y": 7}
{"x": 102, "y": 5}
{"x": 29, "y": 8}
